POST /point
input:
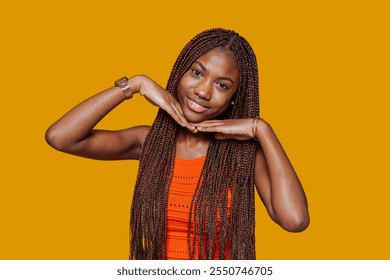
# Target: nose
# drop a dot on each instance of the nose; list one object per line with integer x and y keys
{"x": 204, "y": 89}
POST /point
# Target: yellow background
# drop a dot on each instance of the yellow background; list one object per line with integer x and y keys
{"x": 324, "y": 74}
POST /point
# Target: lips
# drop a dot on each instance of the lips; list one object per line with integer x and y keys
{"x": 196, "y": 107}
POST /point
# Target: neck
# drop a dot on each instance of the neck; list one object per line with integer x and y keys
{"x": 192, "y": 145}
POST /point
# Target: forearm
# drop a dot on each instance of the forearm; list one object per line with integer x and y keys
{"x": 289, "y": 204}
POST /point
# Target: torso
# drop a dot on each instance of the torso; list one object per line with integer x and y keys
{"x": 184, "y": 181}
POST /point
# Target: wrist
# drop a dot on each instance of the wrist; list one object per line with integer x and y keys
{"x": 135, "y": 83}
{"x": 262, "y": 129}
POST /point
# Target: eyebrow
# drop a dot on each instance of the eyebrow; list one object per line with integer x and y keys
{"x": 220, "y": 78}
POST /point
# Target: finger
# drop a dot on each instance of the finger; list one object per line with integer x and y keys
{"x": 172, "y": 112}
{"x": 180, "y": 113}
{"x": 170, "y": 106}
{"x": 214, "y": 123}
{"x": 183, "y": 120}
{"x": 222, "y": 136}
{"x": 211, "y": 122}
{"x": 177, "y": 114}
{"x": 178, "y": 117}
{"x": 214, "y": 128}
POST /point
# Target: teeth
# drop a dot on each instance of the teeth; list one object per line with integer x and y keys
{"x": 196, "y": 104}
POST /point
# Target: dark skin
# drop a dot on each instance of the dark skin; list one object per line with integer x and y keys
{"x": 205, "y": 92}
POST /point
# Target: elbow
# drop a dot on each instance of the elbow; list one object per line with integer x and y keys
{"x": 54, "y": 139}
{"x": 297, "y": 226}
{"x": 296, "y": 223}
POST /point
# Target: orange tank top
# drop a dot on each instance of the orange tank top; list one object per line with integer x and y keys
{"x": 186, "y": 174}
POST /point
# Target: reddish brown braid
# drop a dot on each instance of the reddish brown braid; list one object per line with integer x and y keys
{"x": 228, "y": 164}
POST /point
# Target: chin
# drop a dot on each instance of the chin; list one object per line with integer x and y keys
{"x": 194, "y": 119}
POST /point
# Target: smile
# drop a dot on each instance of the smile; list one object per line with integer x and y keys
{"x": 196, "y": 107}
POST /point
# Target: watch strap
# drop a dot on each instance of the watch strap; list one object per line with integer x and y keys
{"x": 124, "y": 86}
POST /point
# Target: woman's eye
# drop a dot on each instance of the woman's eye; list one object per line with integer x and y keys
{"x": 223, "y": 85}
{"x": 196, "y": 72}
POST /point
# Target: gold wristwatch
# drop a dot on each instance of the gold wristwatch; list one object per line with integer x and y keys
{"x": 122, "y": 83}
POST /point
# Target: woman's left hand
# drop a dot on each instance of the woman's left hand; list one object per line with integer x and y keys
{"x": 238, "y": 129}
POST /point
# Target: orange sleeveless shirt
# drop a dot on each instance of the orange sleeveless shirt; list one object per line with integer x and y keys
{"x": 186, "y": 174}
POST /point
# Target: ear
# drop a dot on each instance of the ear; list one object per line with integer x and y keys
{"x": 233, "y": 100}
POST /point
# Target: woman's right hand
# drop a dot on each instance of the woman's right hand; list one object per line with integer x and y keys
{"x": 160, "y": 97}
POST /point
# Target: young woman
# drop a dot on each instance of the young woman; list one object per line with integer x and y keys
{"x": 201, "y": 158}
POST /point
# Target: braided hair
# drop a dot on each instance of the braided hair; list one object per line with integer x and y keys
{"x": 229, "y": 166}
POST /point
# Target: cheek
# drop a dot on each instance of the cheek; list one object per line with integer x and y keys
{"x": 180, "y": 93}
{"x": 182, "y": 84}
{"x": 225, "y": 100}
{"x": 185, "y": 87}
{"x": 225, "y": 106}
{"x": 221, "y": 106}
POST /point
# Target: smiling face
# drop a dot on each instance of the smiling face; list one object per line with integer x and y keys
{"x": 206, "y": 89}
